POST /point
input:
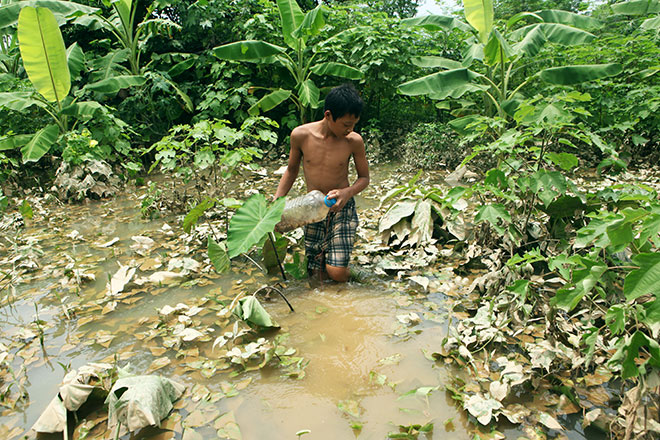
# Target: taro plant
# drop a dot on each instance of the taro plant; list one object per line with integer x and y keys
{"x": 495, "y": 56}
{"x": 300, "y": 61}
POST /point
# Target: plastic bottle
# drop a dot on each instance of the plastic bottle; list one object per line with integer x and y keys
{"x": 310, "y": 208}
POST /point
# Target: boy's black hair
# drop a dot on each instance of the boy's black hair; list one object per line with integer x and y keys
{"x": 343, "y": 99}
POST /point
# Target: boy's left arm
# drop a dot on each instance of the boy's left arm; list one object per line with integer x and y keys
{"x": 362, "y": 168}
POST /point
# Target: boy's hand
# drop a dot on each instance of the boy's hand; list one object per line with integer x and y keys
{"x": 342, "y": 196}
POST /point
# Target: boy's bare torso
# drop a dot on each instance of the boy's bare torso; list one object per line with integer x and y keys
{"x": 325, "y": 159}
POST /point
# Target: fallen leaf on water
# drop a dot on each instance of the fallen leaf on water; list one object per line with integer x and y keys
{"x": 120, "y": 279}
{"x": 498, "y": 390}
{"x": 159, "y": 363}
{"x": 481, "y": 408}
{"x": 549, "y": 422}
{"x": 227, "y": 427}
{"x": 109, "y": 243}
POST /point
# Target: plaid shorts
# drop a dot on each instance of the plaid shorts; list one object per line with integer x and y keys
{"x": 330, "y": 241}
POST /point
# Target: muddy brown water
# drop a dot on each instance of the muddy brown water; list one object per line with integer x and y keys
{"x": 345, "y": 332}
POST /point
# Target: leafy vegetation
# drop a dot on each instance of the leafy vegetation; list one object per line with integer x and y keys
{"x": 536, "y": 246}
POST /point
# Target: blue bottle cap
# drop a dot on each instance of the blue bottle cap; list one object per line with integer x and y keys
{"x": 329, "y": 202}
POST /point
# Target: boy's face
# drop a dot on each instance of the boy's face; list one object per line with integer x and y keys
{"x": 343, "y": 126}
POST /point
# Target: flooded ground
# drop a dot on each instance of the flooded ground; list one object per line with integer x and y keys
{"x": 359, "y": 365}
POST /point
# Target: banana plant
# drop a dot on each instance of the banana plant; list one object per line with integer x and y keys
{"x": 298, "y": 60}
{"x": 641, "y": 8}
{"x": 47, "y": 63}
{"x": 500, "y": 52}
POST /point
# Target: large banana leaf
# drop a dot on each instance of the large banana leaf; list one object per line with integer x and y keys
{"x": 75, "y": 59}
{"x": 437, "y": 23}
{"x": 270, "y": 101}
{"x": 497, "y": 49}
{"x": 292, "y": 17}
{"x": 252, "y": 222}
{"x": 113, "y": 84}
{"x": 532, "y": 43}
{"x": 247, "y": 50}
{"x": 568, "y": 18}
{"x": 433, "y": 61}
{"x": 556, "y": 33}
{"x": 440, "y": 85}
{"x": 311, "y": 24}
{"x": 43, "y": 52}
{"x": 63, "y": 9}
{"x": 637, "y": 7}
{"x": 479, "y": 13}
{"x": 83, "y": 109}
{"x": 577, "y": 74}
{"x": 106, "y": 66}
{"x": 337, "y": 69}
{"x": 123, "y": 8}
{"x": 40, "y": 143}
{"x": 651, "y": 23}
{"x": 309, "y": 94}
{"x": 14, "y": 141}
{"x": 19, "y": 101}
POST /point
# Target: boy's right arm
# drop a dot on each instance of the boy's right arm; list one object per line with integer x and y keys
{"x": 295, "y": 155}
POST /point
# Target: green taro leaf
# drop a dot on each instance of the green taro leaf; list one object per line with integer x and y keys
{"x": 193, "y": 216}
{"x": 251, "y": 222}
{"x": 248, "y": 50}
{"x": 644, "y": 280}
{"x": 337, "y": 69}
{"x": 568, "y": 75}
{"x": 493, "y": 214}
{"x": 40, "y": 143}
{"x": 43, "y": 52}
{"x": 270, "y": 101}
{"x": 218, "y": 255}
{"x": 250, "y": 310}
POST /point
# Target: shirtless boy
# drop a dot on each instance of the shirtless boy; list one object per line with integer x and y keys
{"x": 325, "y": 148}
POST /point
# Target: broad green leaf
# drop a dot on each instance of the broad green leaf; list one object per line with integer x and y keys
{"x": 437, "y": 23}
{"x": 627, "y": 354}
{"x": 532, "y": 43}
{"x": 652, "y": 311}
{"x": 433, "y": 61}
{"x": 107, "y": 65}
{"x": 292, "y": 17}
{"x": 43, "y": 52}
{"x": 422, "y": 223}
{"x": 123, "y": 8}
{"x": 114, "y": 84}
{"x": 251, "y": 222}
{"x": 9, "y": 12}
{"x": 218, "y": 255}
{"x": 270, "y": 101}
{"x": 564, "y": 206}
{"x": 19, "y": 101}
{"x": 193, "y": 216}
{"x": 40, "y": 143}
{"x": 556, "y": 33}
{"x": 309, "y": 94}
{"x": 644, "y": 280}
{"x": 493, "y": 214}
{"x": 75, "y": 59}
{"x": 188, "y": 104}
{"x": 248, "y": 50}
{"x": 83, "y": 109}
{"x": 568, "y": 75}
{"x": 250, "y": 310}
{"x": 479, "y": 13}
{"x": 337, "y": 69}
{"x": 497, "y": 49}
{"x": 440, "y": 85}
{"x": 14, "y": 141}
{"x": 181, "y": 67}
{"x": 637, "y": 7}
{"x": 583, "y": 282}
{"x": 521, "y": 16}
{"x": 311, "y": 24}
{"x": 568, "y": 18}
{"x": 651, "y": 23}
{"x": 548, "y": 184}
